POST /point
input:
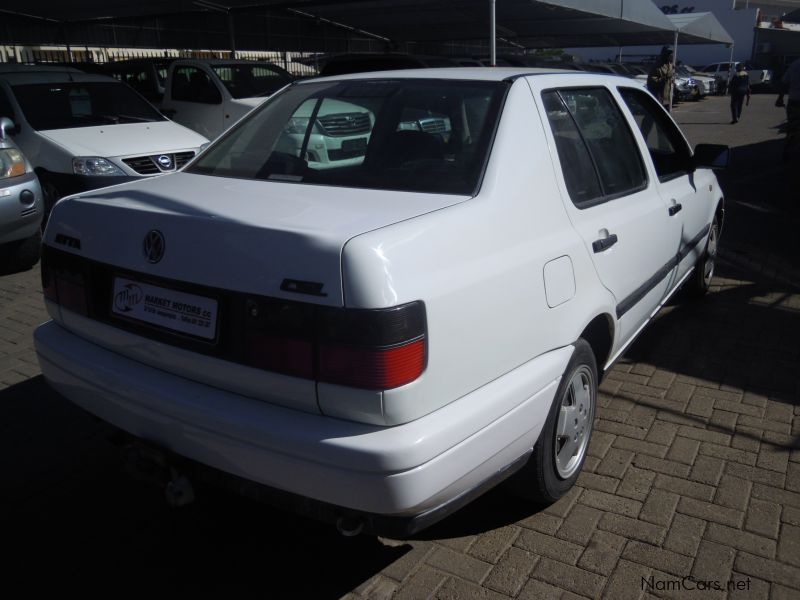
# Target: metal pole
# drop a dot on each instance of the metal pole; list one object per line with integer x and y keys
{"x": 492, "y": 34}
{"x": 232, "y": 34}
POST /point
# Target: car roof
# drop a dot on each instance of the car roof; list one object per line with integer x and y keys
{"x": 22, "y": 74}
{"x": 462, "y": 73}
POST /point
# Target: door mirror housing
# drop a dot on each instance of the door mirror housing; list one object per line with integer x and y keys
{"x": 7, "y": 128}
{"x": 711, "y": 156}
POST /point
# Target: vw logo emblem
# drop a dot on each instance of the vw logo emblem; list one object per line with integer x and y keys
{"x": 164, "y": 161}
{"x": 154, "y": 246}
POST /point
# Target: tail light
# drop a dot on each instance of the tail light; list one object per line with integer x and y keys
{"x": 64, "y": 285}
{"x": 376, "y": 349}
{"x": 365, "y": 348}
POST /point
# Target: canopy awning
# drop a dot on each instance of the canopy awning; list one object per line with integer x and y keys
{"x": 700, "y": 28}
{"x": 186, "y": 23}
{"x": 530, "y": 23}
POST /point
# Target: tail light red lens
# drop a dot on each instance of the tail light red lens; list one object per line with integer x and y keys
{"x": 372, "y": 368}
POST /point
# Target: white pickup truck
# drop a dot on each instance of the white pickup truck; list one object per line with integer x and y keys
{"x": 209, "y": 96}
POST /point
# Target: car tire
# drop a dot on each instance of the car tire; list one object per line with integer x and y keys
{"x": 21, "y": 255}
{"x": 51, "y": 195}
{"x": 700, "y": 280}
{"x": 550, "y": 472}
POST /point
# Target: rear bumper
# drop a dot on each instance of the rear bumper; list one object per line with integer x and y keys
{"x": 400, "y": 471}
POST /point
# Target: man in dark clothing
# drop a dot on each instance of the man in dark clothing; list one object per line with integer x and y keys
{"x": 661, "y": 77}
{"x": 740, "y": 89}
{"x": 791, "y": 87}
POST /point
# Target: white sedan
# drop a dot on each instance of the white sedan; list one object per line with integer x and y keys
{"x": 385, "y": 338}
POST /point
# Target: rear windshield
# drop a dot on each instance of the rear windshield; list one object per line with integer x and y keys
{"x": 411, "y": 135}
{"x": 250, "y": 81}
{"x": 82, "y": 104}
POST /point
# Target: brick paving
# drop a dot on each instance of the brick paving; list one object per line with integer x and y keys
{"x": 693, "y": 470}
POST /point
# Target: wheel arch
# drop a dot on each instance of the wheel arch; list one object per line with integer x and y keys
{"x": 599, "y": 334}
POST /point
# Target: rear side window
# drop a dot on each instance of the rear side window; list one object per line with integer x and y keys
{"x": 590, "y": 130}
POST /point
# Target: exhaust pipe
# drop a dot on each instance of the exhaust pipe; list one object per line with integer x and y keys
{"x": 152, "y": 465}
{"x": 349, "y": 526}
{"x": 178, "y": 491}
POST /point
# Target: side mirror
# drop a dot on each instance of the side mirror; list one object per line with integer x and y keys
{"x": 711, "y": 156}
{"x": 7, "y": 127}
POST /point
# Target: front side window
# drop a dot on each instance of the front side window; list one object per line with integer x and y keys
{"x": 401, "y": 134}
{"x": 250, "y": 81}
{"x": 82, "y": 104}
{"x": 590, "y": 129}
{"x": 667, "y": 147}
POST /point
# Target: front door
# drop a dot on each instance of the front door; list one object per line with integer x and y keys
{"x": 688, "y": 194}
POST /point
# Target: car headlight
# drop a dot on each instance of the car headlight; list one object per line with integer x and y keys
{"x": 94, "y": 165}
{"x": 11, "y": 163}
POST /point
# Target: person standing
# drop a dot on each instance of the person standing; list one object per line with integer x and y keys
{"x": 740, "y": 89}
{"x": 791, "y": 87}
{"x": 661, "y": 78}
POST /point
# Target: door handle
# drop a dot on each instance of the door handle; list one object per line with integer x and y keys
{"x": 604, "y": 243}
{"x": 675, "y": 209}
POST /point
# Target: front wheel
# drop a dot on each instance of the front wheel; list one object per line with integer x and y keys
{"x": 700, "y": 280}
{"x": 560, "y": 451}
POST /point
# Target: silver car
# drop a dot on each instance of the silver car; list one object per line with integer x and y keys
{"x": 21, "y": 206}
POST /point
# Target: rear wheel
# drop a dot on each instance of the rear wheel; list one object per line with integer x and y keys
{"x": 560, "y": 451}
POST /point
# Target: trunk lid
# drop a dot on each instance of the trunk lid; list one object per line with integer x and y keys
{"x": 238, "y": 235}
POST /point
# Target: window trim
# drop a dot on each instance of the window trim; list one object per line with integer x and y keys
{"x": 605, "y": 197}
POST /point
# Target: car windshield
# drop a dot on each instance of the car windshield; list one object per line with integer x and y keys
{"x": 402, "y": 134}
{"x": 82, "y": 104}
{"x": 252, "y": 80}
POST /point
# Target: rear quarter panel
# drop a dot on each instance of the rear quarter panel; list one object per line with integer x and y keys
{"x": 478, "y": 266}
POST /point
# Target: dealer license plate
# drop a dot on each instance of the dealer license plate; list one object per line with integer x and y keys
{"x": 170, "y": 309}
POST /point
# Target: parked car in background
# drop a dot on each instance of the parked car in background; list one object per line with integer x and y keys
{"x": 684, "y": 88}
{"x": 21, "y": 206}
{"x": 147, "y": 76}
{"x": 208, "y": 96}
{"x": 382, "y": 340}
{"x": 722, "y": 71}
{"x": 706, "y": 84}
{"x": 82, "y": 131}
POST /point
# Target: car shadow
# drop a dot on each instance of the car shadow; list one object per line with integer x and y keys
{"x": 68, "y": 501}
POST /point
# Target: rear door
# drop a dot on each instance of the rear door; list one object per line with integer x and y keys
{"x": 610, "y": 199}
